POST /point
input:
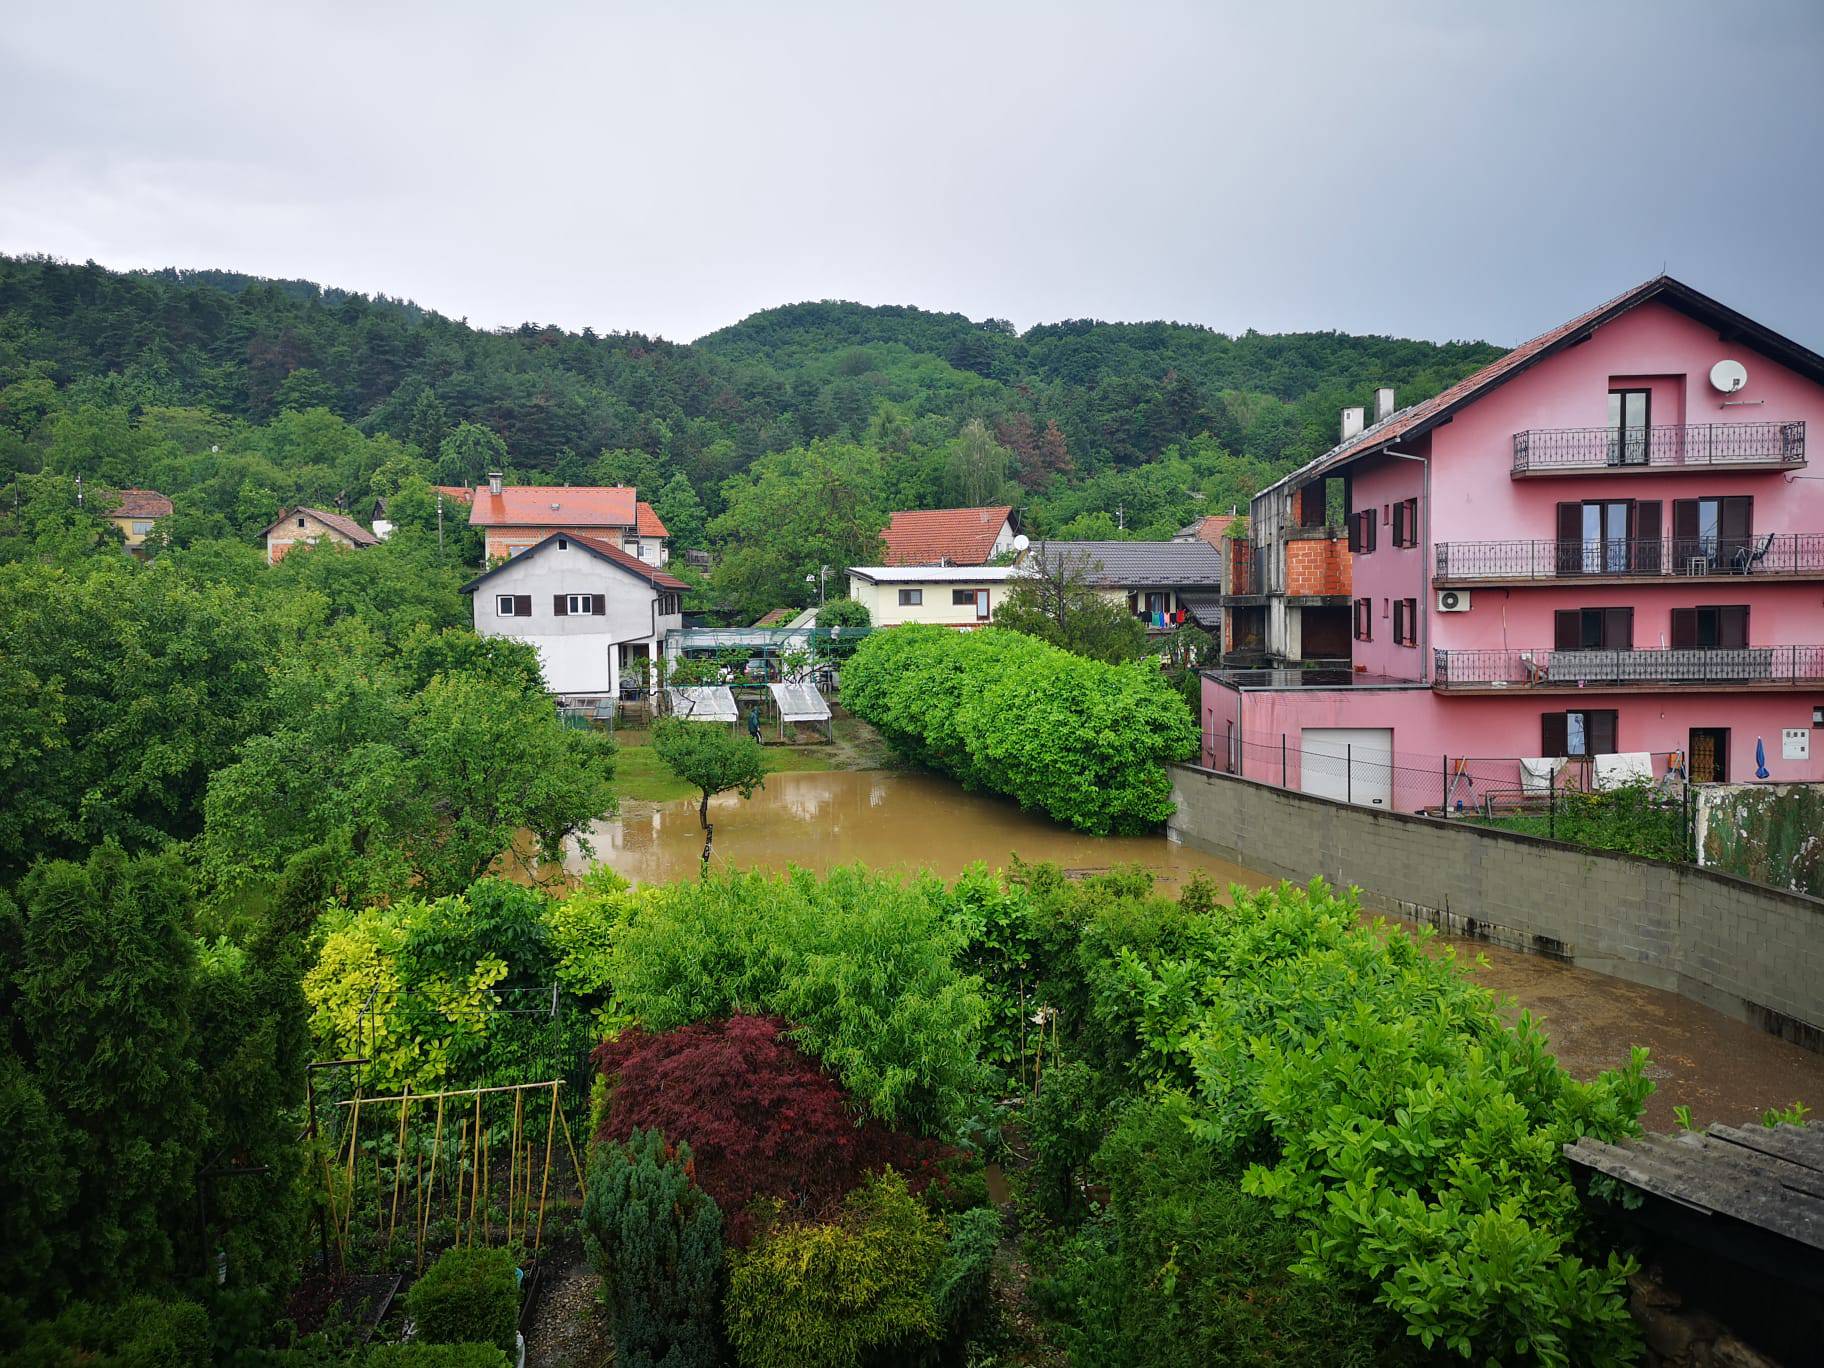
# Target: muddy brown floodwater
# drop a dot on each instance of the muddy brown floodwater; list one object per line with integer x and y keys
{"x": 1723, "y": 1069}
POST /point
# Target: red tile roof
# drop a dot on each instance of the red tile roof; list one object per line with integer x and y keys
{"x": 651, "y": 573}
{"x": 647, "y": 522}
{"x": 963, "y": 536}
{"x": 1211, "y": 527}
{"x": 553, "y": 506}
{"x": 462, "y": 494}
{"x": 335, "y": 522}
{"x": 141, "y": 503}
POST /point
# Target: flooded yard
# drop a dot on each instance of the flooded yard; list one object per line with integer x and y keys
{"x": 1723, "y": 1069}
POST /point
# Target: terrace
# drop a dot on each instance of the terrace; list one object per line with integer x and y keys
{"x": 1772, "y": 555}
{"x": 1739, "y": 667}
{"x": 1693, "y": 446}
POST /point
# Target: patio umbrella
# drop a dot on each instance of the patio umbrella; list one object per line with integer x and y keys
{"x": 1760, "y": 758}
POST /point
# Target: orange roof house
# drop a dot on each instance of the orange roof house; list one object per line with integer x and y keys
{"x": 135, "y": 511}
{"x": 949, "y": 536}
{"x": 309, "y": 526}
{"x": 515, "y": 518}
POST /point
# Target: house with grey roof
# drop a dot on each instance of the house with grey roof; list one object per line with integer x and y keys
{"x": 1167, "y": 584}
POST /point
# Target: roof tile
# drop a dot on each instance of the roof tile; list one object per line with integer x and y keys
{"x": 962, "y": 536}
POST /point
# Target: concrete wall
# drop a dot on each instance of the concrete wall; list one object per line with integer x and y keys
{"x": 1751, "y": 951}
{"x": 1772, "y": 833}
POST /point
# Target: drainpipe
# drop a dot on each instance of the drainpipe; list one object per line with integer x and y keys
{"x": 1425, "y": 555}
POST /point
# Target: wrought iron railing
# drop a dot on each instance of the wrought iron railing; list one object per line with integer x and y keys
{"x": 1771, "y": 553}
{"x": 1685, "y": 444}
{"x": 1576, "y": 669}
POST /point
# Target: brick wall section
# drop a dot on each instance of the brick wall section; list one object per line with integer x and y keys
{"x": 1748, "y": 950}
{"x": 1319, "y": 565}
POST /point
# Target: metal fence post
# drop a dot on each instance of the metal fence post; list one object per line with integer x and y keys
{"x": 1282, "y": 761}
{"x": 1444, "y": 792}
{"x": 1348, "y": 772}
{"x": 1551, "y": 803}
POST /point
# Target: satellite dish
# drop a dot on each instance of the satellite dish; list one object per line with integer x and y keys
{"x": 1021, "y": 542}
{"x": 1728, "y": 376}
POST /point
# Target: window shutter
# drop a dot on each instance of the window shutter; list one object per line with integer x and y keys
{"x": 1370, "y": 523}
{"x": 1599, "y": 733}
{"x": 1736, "y": 518}
{"x": 522, "y": 605}
{"x": 1684, "y": 628}
{"x": 560, "y": 605}
{"x": 1570, "y": 538}
{"x": 1618, "y": 629}
{"x": 1399, "y": 622}
{"x": 598, "y": 604}
{"x": 1646, "y": 536}
{"x": 1355, "y": 531}
{"x": 1732, "y": 626}
{"x": 1567, "y": 629}
{"x": 1684, "y": 526}
{"x": 1553, "y": 735}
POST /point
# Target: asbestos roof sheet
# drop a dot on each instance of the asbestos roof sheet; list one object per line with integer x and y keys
{"x": 702, "y": 703}
{"x": 800, "y": 702}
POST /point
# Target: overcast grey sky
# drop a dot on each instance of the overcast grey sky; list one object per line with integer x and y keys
{"x": 1430, "y": 170}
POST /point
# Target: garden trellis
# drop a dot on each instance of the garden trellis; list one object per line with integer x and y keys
{"x": 436, "y": 1162}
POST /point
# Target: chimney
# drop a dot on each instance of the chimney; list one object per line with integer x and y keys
{"x": 494, "y": 483}
{"x": 1383, "y": 403}
{"x": 1352, "y": 421}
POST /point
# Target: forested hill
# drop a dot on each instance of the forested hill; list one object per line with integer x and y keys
{"x": 236, "y": 395}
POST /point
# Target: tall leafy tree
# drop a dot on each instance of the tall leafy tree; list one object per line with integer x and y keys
{"x": 1054, "y": 600}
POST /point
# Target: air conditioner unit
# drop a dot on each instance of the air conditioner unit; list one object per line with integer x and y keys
{"x": 1453, "y": 600}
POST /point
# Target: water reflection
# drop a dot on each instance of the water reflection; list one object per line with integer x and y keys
{"x": 1722, "y": 1068}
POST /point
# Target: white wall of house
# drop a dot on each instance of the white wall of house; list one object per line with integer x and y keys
{"x": 578, "y": 652}
{"x": 936, "y": 599}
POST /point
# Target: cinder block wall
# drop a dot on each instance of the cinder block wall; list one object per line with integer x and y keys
{"x": 1751, "y": 951}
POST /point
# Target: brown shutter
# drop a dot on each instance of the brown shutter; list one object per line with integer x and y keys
{"x": 1371, "y": 530}
{"x": 1618, "y": 629}
{"x": 522, "y": 605}
{"x": 598, "y": 604}
{"x": 1684, "y": 629}
{"x": 1646, "y": 536}
{"x": 1553, "y": 735}
{"x": 1355, "y": 531}
{"x": 1734, "y": 527}
{"x": 1599, "y": 733}
{"x": 1567, "y": 629}
{"x": 560, "y": 605}
{"x": 1732, "y": 626}
{"x": 1570, "y": 538}
{"x": 1684, "y": 532}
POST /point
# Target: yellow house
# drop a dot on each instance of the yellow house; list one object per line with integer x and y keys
{"x": 947, "y": 595}
{"x": 136, "y": 511}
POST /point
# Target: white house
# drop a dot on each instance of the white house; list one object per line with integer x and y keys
{"x": 594, "y": 612}
{"x": 948, "y": 595}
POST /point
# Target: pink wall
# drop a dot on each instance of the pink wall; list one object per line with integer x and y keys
{"x": 1427, "y": 725}
{"x": 1780, "y": 613}
{"x": 1390, "y": 572}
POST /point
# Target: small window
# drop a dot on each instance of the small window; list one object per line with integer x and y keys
{"x": 581, "y": 603}
{"x": 504, "y": 606}
{"x": 911, "y": 598}
{"x": 962, "y": 598}
{"x": 1593, "y": 629}
{"x": 1406, "y": 523}
{"x": 1711, "y": 627}
{"x": 1364, "y": 619}
{"x": 1362, "y": 530}
{"x": 1405, "y": 622}
{"x": 563, "y": 543}
{"x": 300, "y": 522}
{"x": 1582, "y": 733}
{"x": 141, "y": 526}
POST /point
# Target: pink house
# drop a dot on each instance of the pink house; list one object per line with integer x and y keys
{"x": 1606, "y": 543}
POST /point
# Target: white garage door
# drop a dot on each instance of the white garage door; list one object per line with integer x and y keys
{"x": 1349, "y": 764}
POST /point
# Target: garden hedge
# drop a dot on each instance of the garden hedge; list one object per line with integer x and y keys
{"x": 1080, "y": 740}
{"x": 469, "y": 1296}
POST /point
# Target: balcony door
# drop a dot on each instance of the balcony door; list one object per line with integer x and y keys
{"x": 1608, "y": 537}
{"x": 1630, "y": 416}
{"x": 1711, "y": 534}
{"x": 1709, "y": 755}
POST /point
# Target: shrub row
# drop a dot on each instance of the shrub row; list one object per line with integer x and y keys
{"x": 1079, "y": 740}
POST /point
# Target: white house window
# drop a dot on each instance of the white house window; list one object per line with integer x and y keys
{"x": 581, "y": 603}
{"x": 911, "y": 598}
{"x": 141, "y": 526}
{"x": 505, "y": 602}
{"x": 563, "y": 543}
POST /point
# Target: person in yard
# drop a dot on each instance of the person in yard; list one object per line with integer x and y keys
{"x": 753, "y": 722}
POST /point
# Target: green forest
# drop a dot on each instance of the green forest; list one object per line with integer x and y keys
{"x": 779, "y": 443}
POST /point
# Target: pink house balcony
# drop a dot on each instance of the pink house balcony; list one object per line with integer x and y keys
{"x": 1695, "y": 446}
{"x": 1615, "y": 560}
{"x": 1765, "y": 667}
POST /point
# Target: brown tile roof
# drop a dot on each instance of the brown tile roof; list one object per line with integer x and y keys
{"x": 1420, "y": 418}
{"x": 335, "y": 522}
{"x": 141, "y": 503}
{"x": 962, "y": 536}
{"x": 777, "y": 615}
{"x": 462, "y": 494}
{"x": 652, "y": 574}
{"x": 1209, "y": 528}
{"x": 647, "y": 522}
{"x": 553, "y": 506}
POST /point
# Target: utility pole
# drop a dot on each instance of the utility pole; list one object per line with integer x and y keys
{"x": 439, "y": 527}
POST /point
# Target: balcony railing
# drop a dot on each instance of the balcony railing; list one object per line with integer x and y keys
{"x": 1745, "y": 665}
{"x": 1786, "y": 554}
{"x": 1701, "y": 445}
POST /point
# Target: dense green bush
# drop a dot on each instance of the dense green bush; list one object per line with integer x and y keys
{"x": 1064, "y": 1124}
{"x": 862, "y": 964}
{"x": 1415, "y": 1134}
{"x": 140, "y": 1332}
{"x": 414, "y": 1355}
{"x": 469, "y": 1296}
{"x": 1184, "y": 1269}
{"x": 832, "y": 1296}
{"x": 1080, "y": 740}
{"x": 959, "y": 1289}
{"x": 655, "y": 1238}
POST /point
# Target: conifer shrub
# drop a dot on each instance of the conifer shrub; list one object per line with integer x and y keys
{"x": 139, "y": 1332}
{"x": 959, "y": 1290}
{"x": 655, "y": 1238}
{"x": 469, "y": 1296}
{"x": 840, "y": 1294}
{"x": 761, "y": 1118}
